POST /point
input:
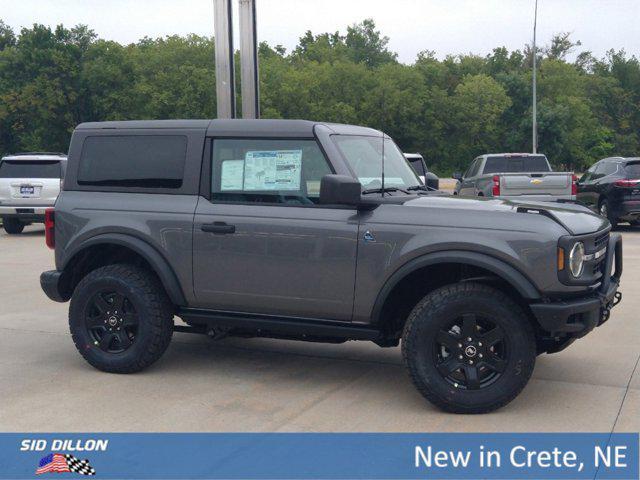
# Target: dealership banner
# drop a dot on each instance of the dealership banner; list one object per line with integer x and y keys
{"x": 319, "y": 455}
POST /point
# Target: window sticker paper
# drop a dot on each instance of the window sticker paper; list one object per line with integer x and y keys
{"x": 232, "y": 175}
{"x": 273, "y": 170}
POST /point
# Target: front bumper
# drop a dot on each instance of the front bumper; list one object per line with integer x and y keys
{"x": 578, "y": 316}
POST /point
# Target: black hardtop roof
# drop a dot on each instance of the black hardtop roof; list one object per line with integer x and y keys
{"x": 234, "y": 127}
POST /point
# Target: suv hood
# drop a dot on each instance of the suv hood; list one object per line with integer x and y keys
{"x": 576, "y": 219}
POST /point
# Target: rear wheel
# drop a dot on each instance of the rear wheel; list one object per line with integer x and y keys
{"x": 605, "y": 211}
{"x": 468, "y": 348}
{"x": 12, "y": 226}
{"x": 120, "y": 318}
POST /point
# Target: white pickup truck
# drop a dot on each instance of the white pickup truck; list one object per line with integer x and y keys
{"x": 517, "y": 176}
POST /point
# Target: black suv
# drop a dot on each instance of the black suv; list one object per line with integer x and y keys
{"x": 611, "y": 187}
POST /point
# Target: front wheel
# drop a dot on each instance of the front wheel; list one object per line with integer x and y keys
{"x": 120, "y": 318}
{"x": 468, "y": 348}
{"x": 12, "y": 226}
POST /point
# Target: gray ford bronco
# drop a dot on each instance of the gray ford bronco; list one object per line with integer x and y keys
{"x": 290, "y": 229}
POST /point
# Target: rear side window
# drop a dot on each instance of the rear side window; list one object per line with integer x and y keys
{"x": 609, "y": 168}
{"x": 633, "y": 168}
{"x": 418, "y": 166}
{"x": 30, "y": 169}
{"x": 516, "y": 164}
{"x": 144, "y": 161}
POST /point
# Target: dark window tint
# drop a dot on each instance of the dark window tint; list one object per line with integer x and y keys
{"x": 144, "y": 161}
{"x": 267, "y": 171}
{"x": 473, "y": 169}
{"x": 633, "y": 169}
{"x": 29, "y": 169}
{"x": 418, "y": 166}
{"x": 516, "y": 164}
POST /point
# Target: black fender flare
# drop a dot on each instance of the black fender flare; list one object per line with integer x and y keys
{"x": 510, "y": 274}
{"x": 154, "y": 258}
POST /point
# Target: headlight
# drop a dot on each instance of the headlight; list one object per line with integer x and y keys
{"x": 576, "y": 259}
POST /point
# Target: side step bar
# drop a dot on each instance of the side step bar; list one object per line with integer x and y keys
{"x": 303, "y": 327}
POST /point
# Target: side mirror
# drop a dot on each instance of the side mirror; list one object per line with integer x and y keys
{"x": 457, "y": 176}
{"x": 340, "y": 190}
{"x": 431, "y": 180}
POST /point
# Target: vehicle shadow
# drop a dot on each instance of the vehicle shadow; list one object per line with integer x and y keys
{"x": 28, "y": 232}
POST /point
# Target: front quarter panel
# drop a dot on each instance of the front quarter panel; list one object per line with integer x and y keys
{"x": 528, "y": 243}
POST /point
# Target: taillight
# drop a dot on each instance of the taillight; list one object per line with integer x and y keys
{"x": 627, "y": 183}
{"x": 574, "y": 184}
{"x": 495, "y": 191}
{"x": 50, "y": 228}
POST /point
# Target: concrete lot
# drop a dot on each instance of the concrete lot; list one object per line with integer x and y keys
{"x": 272, "y": 385}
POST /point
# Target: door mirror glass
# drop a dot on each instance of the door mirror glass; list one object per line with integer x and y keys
{"x": 457, "y": 176}
{"x": 340, "y": 190}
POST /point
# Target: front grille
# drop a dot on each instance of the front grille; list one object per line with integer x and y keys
{"x": 600, "y": 242}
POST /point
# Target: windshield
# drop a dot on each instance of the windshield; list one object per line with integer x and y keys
{"x": 29, "y": 169}
{"x": 364, "y": 155}
{"x": 515, "y": 164}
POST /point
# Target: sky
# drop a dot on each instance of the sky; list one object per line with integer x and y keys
{"x": 444, "y": 26}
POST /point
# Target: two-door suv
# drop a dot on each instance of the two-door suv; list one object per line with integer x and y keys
{"x": 320, "y": 232}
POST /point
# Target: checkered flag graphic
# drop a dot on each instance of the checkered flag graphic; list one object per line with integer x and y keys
{"x": 79, "y": 466}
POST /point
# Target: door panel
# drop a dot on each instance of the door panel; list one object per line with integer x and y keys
{"x": 275, "y": 259}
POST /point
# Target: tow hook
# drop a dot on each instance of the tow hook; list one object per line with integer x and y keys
{"x": 606, "y": 309}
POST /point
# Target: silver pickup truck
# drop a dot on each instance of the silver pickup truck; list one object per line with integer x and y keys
{"x": 516, "y": 176}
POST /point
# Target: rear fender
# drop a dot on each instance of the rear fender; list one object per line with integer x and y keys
{"x": 158, "y": 263}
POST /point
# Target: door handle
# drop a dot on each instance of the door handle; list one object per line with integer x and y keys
{"x": 218, "y": 227}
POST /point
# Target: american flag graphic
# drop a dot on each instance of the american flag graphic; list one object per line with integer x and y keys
{"x": 61, "y": 463}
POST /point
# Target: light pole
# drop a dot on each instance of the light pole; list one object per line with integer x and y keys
{"x": 249, "y": 60}
{"x": 225, "y": 81}
{"x": 535, "y": 89}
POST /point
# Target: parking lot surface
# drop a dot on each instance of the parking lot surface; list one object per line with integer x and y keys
{"x": 275, "y": 385}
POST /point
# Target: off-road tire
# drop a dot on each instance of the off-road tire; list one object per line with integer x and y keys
{"x": 419, "y": 347}
{"x": 155, "y": 313}
{"x": 12, "y": 226}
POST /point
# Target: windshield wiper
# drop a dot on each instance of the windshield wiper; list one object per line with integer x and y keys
{"x": 424, "y": 188}
{"x": 385, "y": 190}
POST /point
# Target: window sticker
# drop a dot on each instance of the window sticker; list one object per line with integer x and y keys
{"x": 273, "y": 170}
{"x": 232, "y": 175}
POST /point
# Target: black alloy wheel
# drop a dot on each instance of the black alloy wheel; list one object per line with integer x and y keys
{"x": 469, "y": 348}
{"x": 120, "y": 318}
{"x": 471, "y": 352}
{"x": 112, "y": 321}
